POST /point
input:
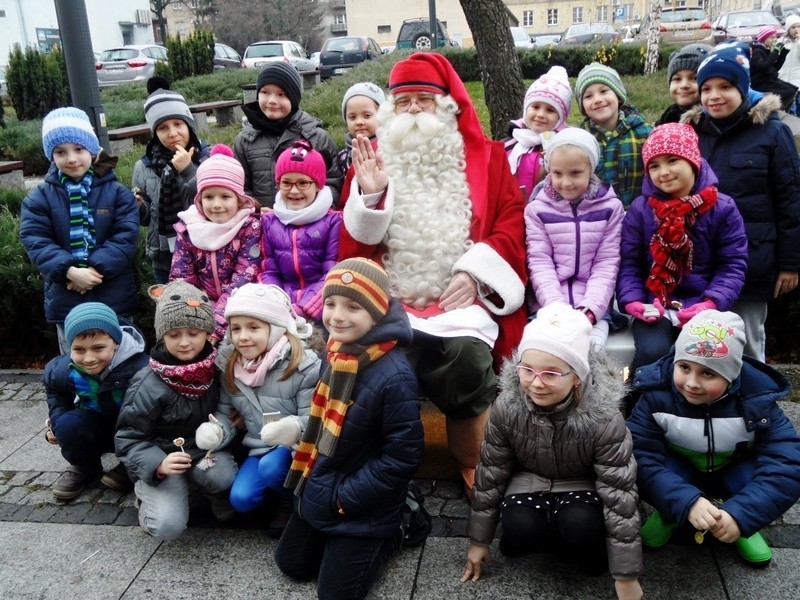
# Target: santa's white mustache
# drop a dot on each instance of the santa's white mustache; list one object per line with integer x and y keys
{"x": 407, "y": 128}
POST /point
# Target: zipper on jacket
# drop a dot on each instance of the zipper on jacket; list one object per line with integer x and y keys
{"x": 708, "y": 431}
{"x": 296, "y": 261}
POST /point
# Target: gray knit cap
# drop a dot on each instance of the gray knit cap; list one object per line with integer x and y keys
{"x": 689, "y": 57}
{"x": 715, "y": 340}
{"x": 166, "y": 104}
{"x": 365, "y": 88}
{"x": 180, "y": 304}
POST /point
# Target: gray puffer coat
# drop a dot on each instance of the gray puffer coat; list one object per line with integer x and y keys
{"x": 575, "y": 446}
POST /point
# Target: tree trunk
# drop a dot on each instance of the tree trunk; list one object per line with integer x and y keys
{"x": 503, "y": 86}
{"x": 653, "y": 38}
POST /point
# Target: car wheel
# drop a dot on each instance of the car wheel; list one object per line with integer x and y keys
{"x": 423, "y": 42}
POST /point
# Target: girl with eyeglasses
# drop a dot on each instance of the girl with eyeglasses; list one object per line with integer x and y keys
{"x": 301, "y": 234}
{"x": 556, "y": 466}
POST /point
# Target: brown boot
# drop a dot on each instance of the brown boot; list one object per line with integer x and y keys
{"x": 73, "y": 481}
{"x": 117, "y": 479}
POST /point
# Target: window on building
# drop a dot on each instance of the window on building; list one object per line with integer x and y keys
{"x": 602, "y": 14}
{"x": 577, "y": 14}
{"x": 552, "y": 16}
{"x": 384, "y": 29}
{"x": 527, "y": 18}
{"x": 340, "y": 19}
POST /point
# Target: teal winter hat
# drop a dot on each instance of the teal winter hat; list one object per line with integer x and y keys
{"x": 68, "y": 125}
{"x": 89, "y": 316}
{"x": 599, "y": 73}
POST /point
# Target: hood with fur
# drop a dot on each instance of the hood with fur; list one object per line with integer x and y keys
{"x": 760, "y": 111}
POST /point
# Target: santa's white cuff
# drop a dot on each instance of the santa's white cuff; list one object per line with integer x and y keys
{"x": 364, "y": 224}
{"x": 487, "y": 267}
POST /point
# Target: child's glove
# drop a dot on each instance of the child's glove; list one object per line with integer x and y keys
{"x": 285, "y": 432}
{"x": 208, "y": 436}
{"x": 636, "y": 310}
{"x": 684, "y": 315}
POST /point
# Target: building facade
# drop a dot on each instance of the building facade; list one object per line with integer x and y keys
{"x": 381, "y": 19}
{"x": 33, "y": 23}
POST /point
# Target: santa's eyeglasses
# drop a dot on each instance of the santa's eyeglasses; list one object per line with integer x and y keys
{"x": 422, "y": 100}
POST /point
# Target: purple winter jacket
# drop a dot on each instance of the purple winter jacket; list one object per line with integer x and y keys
{"x": 720, "y": 250}
{"x": 573, "y": 249}
{"x": 297, "y": 258}
{"x": 218, "y": 273}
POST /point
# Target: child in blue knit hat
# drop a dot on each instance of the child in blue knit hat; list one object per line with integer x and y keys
{"x": 84, "y": 393}
{"x": 754, "y": 156}
{"x": 80, "y": 226}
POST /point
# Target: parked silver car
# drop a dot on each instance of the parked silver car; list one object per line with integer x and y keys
{"x": 260, "y": 54}
{"x": 127, "y": 64}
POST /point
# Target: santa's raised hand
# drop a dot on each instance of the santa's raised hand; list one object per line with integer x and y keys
{"x": 368, "y": 167}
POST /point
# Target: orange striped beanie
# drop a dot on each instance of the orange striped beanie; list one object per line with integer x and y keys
{"x": 362, "y": 280}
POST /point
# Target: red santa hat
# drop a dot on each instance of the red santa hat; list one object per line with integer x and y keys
{"x": 433, "y": 73}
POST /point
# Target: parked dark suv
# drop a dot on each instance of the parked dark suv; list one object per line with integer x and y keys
{"x": 416, "y": 34}
{"x": 342, "y": 53}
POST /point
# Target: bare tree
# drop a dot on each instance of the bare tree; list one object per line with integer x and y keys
{"x": 158, "y": 7}
{"x": 653, "y": 38}
{"x": 202, "y": 10}
{"x": 503, "y": 85}
{"x": 239, "y": 23}
{"x": 297, "y": 20}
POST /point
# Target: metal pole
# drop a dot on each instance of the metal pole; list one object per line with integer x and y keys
{"x": 73, "y": 25}
{"x": 434, "y": 28}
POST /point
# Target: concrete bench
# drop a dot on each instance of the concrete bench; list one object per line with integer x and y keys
{"x": 11, "y": 174}
{"x": 226, "y": 112}
{"x": 122, "y": 139}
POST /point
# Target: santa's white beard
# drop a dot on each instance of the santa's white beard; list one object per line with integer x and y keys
{"x": 429, "y": 232}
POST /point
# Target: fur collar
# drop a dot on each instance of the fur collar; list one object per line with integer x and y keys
{"x": 759, "y": 113}
{"x": 602, "y": 394}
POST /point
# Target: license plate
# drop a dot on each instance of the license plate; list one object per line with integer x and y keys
{"x": 339, "y": 71}
{"x": 260, "y": 64}
{"x": 684, "y": 32}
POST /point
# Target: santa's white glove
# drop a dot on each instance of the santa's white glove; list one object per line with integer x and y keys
{"x": 285, "y": 432}
{"x": 208, "y": 436}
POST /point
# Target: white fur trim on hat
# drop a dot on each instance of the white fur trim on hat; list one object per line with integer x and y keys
{"x": 489, "y": 269}
{"x": 367, "y": 225}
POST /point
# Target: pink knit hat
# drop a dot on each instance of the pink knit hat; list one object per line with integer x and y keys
{"x": 302, "y": 158}
{"x": 678, "y": 139}
{"x": 551, "y": 88}
{"x": 765, "y": 32}
{"x": 221, "y": 169}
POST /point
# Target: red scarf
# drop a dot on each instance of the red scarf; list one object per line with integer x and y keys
{"x": 671, "y": 247}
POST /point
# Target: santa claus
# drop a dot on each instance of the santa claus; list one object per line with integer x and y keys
{"x": 438, "y": 206}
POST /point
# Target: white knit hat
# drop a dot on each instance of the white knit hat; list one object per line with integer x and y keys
{"x": 365, "y": 88}
{"x": 573, "y": 136}
{"x": 551, "y": 88}
{"x": 270, "y": 304}
{"x": 562, "y": 331}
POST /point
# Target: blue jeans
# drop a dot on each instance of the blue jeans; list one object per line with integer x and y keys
{"x": 84, "y": 436}
{"x": 345, "y": 567}
{"x": 259, "y": 474}
{"x": 652, "y": 341}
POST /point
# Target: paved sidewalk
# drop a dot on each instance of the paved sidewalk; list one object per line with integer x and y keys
{"x": 93, "y": 548}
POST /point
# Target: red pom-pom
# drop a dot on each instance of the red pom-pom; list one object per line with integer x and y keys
{"x": 221, "y": 149}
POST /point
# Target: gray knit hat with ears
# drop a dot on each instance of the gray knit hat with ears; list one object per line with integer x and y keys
{"x": 365, "y": 88}
{"x": 180, "y": 304}
{"x": 689, "y": 58}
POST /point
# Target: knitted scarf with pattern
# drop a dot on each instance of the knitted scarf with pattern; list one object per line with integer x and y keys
{"x": 81, "y": 221}
{"x": 332, "y": 398}
{"x": 191, "y": 380}
{"x": 671, "y": 247}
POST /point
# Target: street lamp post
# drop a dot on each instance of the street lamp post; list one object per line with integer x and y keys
{"x": 434, "y": 28}
{"x": 73, "y": 24}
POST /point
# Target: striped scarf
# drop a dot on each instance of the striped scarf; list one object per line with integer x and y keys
{"x": 192, "y": 380}
{"x": 329, "y": 406}
{"x": 88, "y": 395}
{"x": 81, "y": 222}
{"x": 671, "y": 247}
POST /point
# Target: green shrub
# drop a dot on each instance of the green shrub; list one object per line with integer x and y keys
{"x": 23, "y": 141}
{"x": 11, "y": 198}
{"x": 36, "y": 82}
{"x": 164, "y": 70}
